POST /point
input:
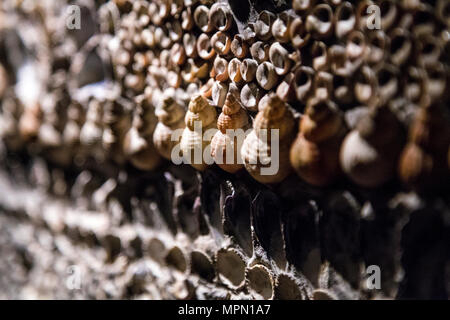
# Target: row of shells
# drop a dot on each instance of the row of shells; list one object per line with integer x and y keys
{"x": 179, "y": 62}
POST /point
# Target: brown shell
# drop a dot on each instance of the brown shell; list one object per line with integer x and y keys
{"x": 171, "y": 117}
{"x": 423, "y": 163}
{"x": 257, "y": 152}
{"x": 233, "y": 116}
{"x": 138, "y": 143}
{"x": 314, "y": 154}
{"x": 192, "y": 142}
{"x": 369, "y": 153}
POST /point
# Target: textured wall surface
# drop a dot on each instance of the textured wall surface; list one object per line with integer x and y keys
{"x": 93, "y": 207}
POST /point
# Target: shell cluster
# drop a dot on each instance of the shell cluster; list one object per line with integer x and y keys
{"x": 330, "y": 93}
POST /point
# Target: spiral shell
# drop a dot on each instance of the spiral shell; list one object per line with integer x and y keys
{"x": 314, "y": 154}
{"x": 369, "y": 153}
{"x": 422, "y": 164}
{"x": 200, "y": 115}
{"x": 171, "y": 117}
{"x": 138, "y": 142}
{"x": 229, "y": 138}
{"x": 265, "y": 149}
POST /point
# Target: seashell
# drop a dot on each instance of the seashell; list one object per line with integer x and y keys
{"x": 339, "y": 62}
{"x": 138, "y": 143}
{"x": 260, "y": 282}
{"x": 442, "y": 11}
{"x": 234, "y": 70}
{"x": 219, "y": 93}
{"x": 400, "y": 46}
{"x": 423, "y": 162}
{"x": 342, "y": 89}
{"x": 369, "y": 153}
{"x": 221, "y": 42}
{"x": 428, "y": 50}
{"x": 29, "y": 122}
{"x": 3, "y": 80}
{"x": 320, "y": 21}
{"x": 263, "y": 25}
{"x": 264, "y": 147}
{"x": 221, "y": 69}
{"x": 92, "y": 130}
{"x": 323, "y": 85}
{"x": 239, "y": 46}
{"x": 171, "y": 117}
{"x": 436, "y": 81}
{"x": 302, "y": 5}
{"x": 298, "y": 34}
{"x": 356, "y": 48}
{"x": 319, "y": 55}
{"x": 414, "y": 86}
{"x": 279, "y": 57}
{"x": 250, "y": 96}
{"x": 424, "y": 20}
{"x": 206, "y": 89}
{"x": 176, "y": 7}
{"x": 202, "y": 18}
{"x": 303, "y": 80}
{"x": 260, "y": 51}
{"x": 389, "y": 12}
{"x": 204, "y": 48}
{"x": 192, "y": 71}
{"x": 162, "y": 37}
{"x": 365, "y": 85}
{"x": 286, "y": 88}
{"x": 233, "y": 277}
{"x": 220, "y": 16}
{"x": 178, "y": 54}
{"x": 363, "y": 14}
{"x": 314, "y": 154}
{"x": 200, "y": 115}
{"x": 345, "y": 19}
{"x": 378, "y": 44}
{"x": 388, "y": 85}
{"x": 266, "y": 75}
{"x": 248, "y": 69}
{"x": 227, "y": 142}
{"x": 175, "y": 30}
{"x": 190, "y": 45}
{"x": 187, "y": 19}
{"x": 281, "y": 27}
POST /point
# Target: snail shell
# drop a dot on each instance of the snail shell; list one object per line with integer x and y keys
{"x": 260, "y": 152}
{"x": 171, "y": 117}
{"x": 138, "y": 142}
{"x": 369, "y": 153}
{"x": 200, "y": 115}
{"x": 423, "y": 164}
{"x": 315, "y": 153}
{"x": 233, "y": 117}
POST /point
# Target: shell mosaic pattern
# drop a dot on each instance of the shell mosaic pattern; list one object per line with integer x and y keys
{"x": 364, "y": 152}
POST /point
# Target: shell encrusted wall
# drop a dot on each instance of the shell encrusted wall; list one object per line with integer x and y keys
{"x": 96, "y": 98}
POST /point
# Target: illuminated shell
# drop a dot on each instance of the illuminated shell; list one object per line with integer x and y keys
{"x": 423, "y": 164}
{"x": 315, "y": 153}
{"x": 369, "y": 153}
{"x": 265, "y": 152}
{"x": 171, "y": 117}
{"x": 200, "y": 117}
{"x": 229, "y": 138}
{"x": 138, "y": 143}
